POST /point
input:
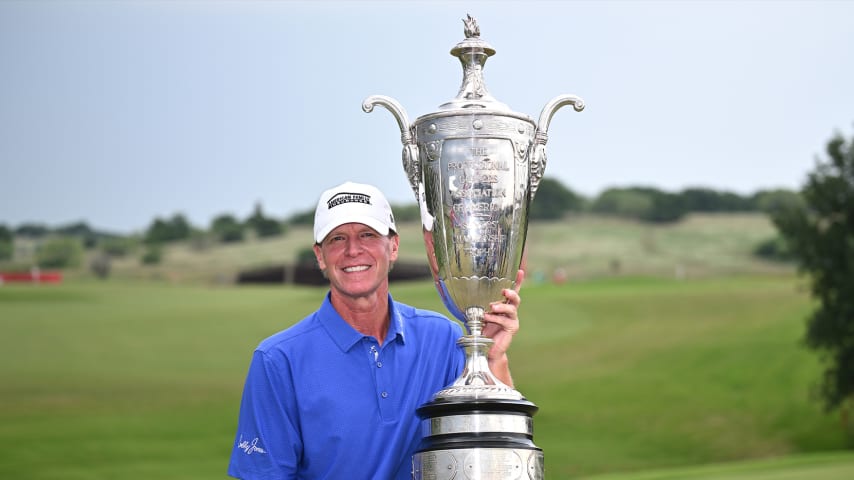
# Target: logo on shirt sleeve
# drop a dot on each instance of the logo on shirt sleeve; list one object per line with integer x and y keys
{"x": 250, "y": 447}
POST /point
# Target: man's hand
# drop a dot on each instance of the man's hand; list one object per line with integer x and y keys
{"x": 500, "y": 324}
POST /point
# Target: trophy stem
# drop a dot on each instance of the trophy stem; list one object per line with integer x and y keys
{"x": 474, "y": 321}
{"x": 477, "y": 382}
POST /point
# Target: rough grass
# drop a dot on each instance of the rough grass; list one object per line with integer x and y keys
{"x": 697, "y": 246}
{"x": 142, "y": 380}
{"x": 583, "y": 247}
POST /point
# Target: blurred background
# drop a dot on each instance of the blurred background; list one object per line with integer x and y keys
{"x": 690, "y": 254}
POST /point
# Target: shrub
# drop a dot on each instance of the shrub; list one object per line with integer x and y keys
{"x": 152, "y": 255}
{"x": 6, "y": 250}
{"x": 774, "y": 249}
{"x": 306, "y": 256}
{"x": 116, "y": 246}
{"x": 59, "y": 252}
{"x": 100, "y": 265}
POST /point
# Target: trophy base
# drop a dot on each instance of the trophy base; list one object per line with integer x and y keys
{"x": 478, "y": 440}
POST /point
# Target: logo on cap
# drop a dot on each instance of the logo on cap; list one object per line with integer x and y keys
{"x": 347, "y": 197}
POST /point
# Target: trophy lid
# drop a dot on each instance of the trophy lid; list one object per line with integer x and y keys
{"x": 473, "y": 53}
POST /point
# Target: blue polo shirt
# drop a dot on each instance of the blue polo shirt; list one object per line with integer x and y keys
{"x": 323, "y": 401}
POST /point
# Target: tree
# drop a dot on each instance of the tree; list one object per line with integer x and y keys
{"x": 553, "y": 200}
{"x": 304, "y": 218}
{"x": 81, "y": 230}
{"x": 7, "y": 242}
{"x": 666, "y": 207}
{"x": 175, "y": 228}
{"x": 262, "y": 225}
{"x": 642, "y": 203}
{"x": 409, "y": 212}
{"x": 769, "y": 201}
{"x": 32, "y": 230}
{"x": 227, "y": 229}
{"x": 622, "y": 202}
{"x": 700, "y": 199}
{"x": 820, "y": 236}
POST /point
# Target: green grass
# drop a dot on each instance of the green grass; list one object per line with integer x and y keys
{"x": 143, "y": 380}
{"x": 821, "y": 466}
{"x": 679, "y": 372}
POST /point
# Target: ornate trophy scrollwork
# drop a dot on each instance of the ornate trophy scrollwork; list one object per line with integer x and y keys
{"x": 411, "y": 165}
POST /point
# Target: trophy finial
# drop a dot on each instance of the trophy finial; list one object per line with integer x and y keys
{"x": 472, "y": 53}
{"x": 472, "y": 29}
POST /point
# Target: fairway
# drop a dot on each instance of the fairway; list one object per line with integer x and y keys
{"x": 827, "y": 466}
{"x": 138, "y": 380}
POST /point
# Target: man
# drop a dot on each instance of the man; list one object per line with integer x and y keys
{"x": 334, "y": 396}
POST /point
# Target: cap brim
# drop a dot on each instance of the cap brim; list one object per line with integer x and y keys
{"x": 372, "y": 222}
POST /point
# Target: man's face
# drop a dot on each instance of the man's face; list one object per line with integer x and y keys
{"x": 357, "y": 260}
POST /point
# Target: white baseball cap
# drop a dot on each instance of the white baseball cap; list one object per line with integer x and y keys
{"x": 352, "y": 203}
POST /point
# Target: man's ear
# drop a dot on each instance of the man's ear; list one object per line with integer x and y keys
{"x": 395, "y": 246}
{"x": 318, "y": 254}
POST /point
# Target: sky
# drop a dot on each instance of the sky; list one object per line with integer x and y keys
{"x": 119, "y": 112}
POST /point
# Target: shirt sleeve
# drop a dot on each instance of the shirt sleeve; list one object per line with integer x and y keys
{"x": 267, "y": 444}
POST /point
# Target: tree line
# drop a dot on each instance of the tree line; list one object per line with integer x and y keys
{"x": 553, "y": 201}
{"x": 63, "y": 246}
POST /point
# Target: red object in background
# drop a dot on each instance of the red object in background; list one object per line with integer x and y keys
{"x": 31, "y": 277}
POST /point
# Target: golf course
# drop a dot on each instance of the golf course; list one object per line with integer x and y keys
{"x": 660, "y": 352}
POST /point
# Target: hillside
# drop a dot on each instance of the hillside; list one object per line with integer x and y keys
{"x": 580, "y": 247}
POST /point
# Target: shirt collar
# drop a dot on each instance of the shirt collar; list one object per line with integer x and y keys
{"x": 345, "y": 336}
{"x": 395, "y": 324}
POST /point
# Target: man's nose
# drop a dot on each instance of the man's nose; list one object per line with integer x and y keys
{"x": 354, "y": 246}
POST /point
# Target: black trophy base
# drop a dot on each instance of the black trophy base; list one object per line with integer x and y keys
{"x": 478, "y": 440}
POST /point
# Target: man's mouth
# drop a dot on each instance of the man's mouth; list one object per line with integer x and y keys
{"x": 357, "y": 268}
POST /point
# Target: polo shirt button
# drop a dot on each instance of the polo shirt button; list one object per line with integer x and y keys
{"x": 379, "y": 364}
{"x": 384, "y": 394}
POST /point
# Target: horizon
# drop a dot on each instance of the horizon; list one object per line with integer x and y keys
{"x": 394, "y": 205}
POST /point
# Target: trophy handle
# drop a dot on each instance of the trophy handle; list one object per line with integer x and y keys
{"x": 538, "y": 149}
{"x": 411, "y": 162}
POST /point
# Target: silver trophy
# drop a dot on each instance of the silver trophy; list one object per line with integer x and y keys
{"x": 474, "y": 166}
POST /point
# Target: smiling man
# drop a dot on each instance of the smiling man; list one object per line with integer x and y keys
{"x": 334, "y": 396}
